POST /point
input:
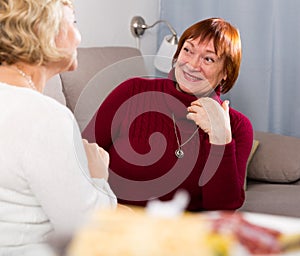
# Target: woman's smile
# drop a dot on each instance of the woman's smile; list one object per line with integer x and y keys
{"x": 192, "y": 78}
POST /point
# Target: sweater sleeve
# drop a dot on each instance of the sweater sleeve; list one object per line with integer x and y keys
{"x": 56, "y": 168}
{"x": 226, "y": 165}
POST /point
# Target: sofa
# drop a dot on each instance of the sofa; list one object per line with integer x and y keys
{"x": 273, "y": 172}
{"x": 273, "y": 176}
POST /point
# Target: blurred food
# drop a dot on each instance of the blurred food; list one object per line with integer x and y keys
{"x": 137, "y": 233}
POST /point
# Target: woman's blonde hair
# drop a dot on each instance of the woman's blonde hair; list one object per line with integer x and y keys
{"x": 28, "y": 29}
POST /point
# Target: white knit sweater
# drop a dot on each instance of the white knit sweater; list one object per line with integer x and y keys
{"x": 44, "y": 180}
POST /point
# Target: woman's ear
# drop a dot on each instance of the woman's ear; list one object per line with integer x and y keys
{"x": 174, "y": 62}
{"x": 222, "y": 82}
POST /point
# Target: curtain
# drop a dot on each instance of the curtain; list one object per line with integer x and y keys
{"x": 269, "y": 83}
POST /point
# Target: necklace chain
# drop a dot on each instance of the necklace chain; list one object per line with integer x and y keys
{"x": 27, "y": 78}
{"x": 179, "y": 152}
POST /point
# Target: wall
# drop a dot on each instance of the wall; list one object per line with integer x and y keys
{"x": 107, "y": 23}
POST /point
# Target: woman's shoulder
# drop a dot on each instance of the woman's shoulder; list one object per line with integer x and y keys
{"x": 36, "y": 113}
{"x": 33, "y": 103}
{"x": 142, "y": 81}
{"x": 240, "y": 122}
{"x": 49, "y": 104}
{"x": 136, "y": 85}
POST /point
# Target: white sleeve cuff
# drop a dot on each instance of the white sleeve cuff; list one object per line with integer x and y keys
{"x": 103, "y": 187}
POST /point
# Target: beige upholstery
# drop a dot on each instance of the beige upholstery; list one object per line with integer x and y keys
{"x": 272, "y": 198}
{"x": 273, "y": 184}
{"x": 277, "y": 158}
{"x": 100, "y": 70}
{"x": 54, "y": 89}
{"x": 98, "y": 59}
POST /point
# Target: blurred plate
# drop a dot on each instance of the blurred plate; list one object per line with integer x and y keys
{"x": 287, "y": 225}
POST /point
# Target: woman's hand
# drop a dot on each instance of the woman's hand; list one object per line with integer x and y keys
{"x": 98, "y": 160}
{"x": 212, "y": 118}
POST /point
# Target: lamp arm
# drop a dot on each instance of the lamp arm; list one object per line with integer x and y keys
{"x": 138, "y": 27}
{"x": 167, "y": 23}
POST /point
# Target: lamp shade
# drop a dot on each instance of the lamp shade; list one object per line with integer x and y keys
{"x": 163, "y": 58}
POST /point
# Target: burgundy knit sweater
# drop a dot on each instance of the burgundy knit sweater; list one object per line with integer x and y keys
{"x": 134, "y": 124}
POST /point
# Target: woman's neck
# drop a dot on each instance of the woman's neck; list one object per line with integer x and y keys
{"x": 24, "y": 75}
{"x": 196, "y": 95}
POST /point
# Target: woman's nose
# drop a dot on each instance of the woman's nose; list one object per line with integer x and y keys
{"x": 196, "y": 63}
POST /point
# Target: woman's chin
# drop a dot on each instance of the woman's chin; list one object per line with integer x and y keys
{"x": 197, "y": 93}
{"x": 73, "y": 65}
{"x": 73, "y": 62}
{"x": 188, "y": 90}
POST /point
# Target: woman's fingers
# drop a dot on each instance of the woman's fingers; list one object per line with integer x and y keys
{"x": 212, "y": 118}
{"x": 98, "y": 160}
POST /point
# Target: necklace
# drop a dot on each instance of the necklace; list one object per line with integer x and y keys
{"x": 179, "y": 152}
{"x": 27, "y": 78}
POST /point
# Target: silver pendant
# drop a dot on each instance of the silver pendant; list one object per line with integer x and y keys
{"x": 179, "y": 153}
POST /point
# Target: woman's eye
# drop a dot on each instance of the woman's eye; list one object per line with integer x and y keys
{"x": 186, "y": 49}
{"x": 209, "y": 60}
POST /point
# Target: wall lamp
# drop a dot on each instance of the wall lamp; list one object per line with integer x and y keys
{"x": 163, "y": 58}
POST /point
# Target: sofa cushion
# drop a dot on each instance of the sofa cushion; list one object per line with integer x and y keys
{"x": 277, "y": 158}
{"x": 276, "y": 199}
{"x": 100, "y": 70}
{"x": 91, "y": 60}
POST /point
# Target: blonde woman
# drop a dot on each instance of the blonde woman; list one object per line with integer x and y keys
{"x": 50, "y": 179}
